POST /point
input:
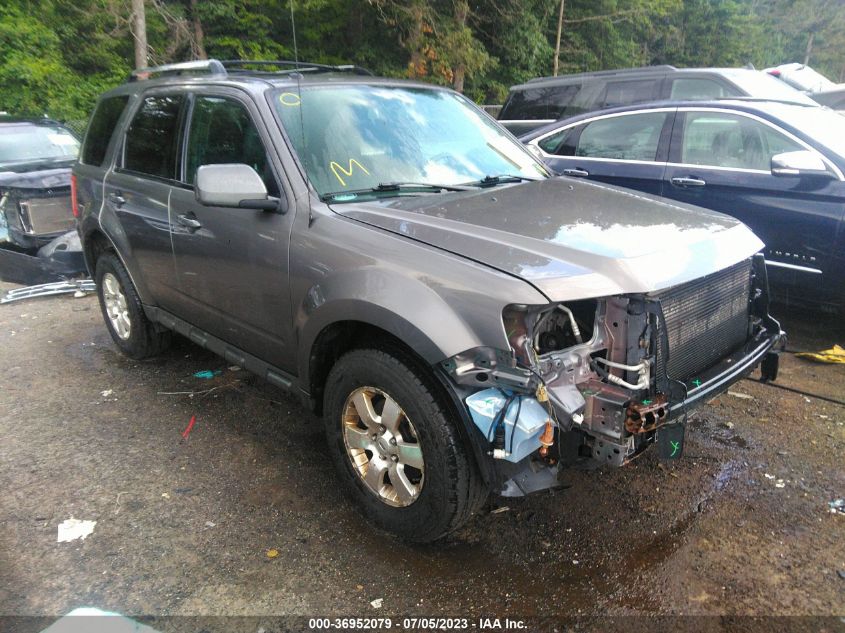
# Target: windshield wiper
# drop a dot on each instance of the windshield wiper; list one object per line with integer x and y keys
{"x": 394, "y": 187}
{"x": 492, "y": 181}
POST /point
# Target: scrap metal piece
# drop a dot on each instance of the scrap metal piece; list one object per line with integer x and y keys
{"x": 47, "y": 290}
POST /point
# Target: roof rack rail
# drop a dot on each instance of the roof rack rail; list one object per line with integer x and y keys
{"x": 605, "y": 73}
{"x": 217, "y": 67}
{"x": 211, "y": 66}
{"x": 291, "y": 66}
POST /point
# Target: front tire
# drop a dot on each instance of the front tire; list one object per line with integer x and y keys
{"x": 130, "y": 329}
{"x": 396, "y": 447}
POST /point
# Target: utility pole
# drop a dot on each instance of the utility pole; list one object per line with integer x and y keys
{"x": 557, "y": 41}
{"x": 139, "y": 34}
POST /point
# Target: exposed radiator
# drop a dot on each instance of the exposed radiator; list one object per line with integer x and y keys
{"x": 40, "y": 216}
{"x": 706, "y": 320}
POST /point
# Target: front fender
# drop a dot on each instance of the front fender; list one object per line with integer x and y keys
{"x": 405, "y": 307}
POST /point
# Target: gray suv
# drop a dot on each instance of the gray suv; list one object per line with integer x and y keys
{"x": 463, "y": 321}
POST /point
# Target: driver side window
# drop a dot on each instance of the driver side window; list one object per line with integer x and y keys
{"x": 729, "y": 140}
{"x": 221, "y": 132}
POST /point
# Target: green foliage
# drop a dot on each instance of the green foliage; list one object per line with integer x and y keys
{"x": 56, "y": 56}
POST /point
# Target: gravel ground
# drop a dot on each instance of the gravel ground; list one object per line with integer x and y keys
{"x": 740, "y": 526}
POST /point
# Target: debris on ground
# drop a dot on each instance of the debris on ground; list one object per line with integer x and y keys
{"x": 740, "y": 395}
{"x": 837, "y": 506}
{"x": 272, "y": 553}
{"x": 841, "y": 573}
{"x": 106, "y": 393}
{"x": 188, "y": 428}
{"x": 207, "y": 374}
{"x": 49, "y": 290}
{"x": 376, "y": 604}
{"x": 835, "y": 354}
{"x": 500, "y": 510}
{"x": 72, "y": 529}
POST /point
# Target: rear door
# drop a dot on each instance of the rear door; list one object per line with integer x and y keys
{"x": 721, "y": 160}
{"x": 138, "y": 190}
{"x": 628, "y": 149}
{"x": 231, "y": 263}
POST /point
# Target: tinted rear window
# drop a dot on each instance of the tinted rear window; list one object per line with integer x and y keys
{"x": 560, "y": 100}
{"x": 526, "y": 104}
{"x": 101, "y": 128}
{"x": 153, "y": 137}
{"x": 621, "y": 93}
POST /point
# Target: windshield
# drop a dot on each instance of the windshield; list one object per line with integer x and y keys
{"x": 355, "y": 137}
{"x": 826, "y": 127}
{"x": 29, "y": 143}
{"x": 762, "y": 85}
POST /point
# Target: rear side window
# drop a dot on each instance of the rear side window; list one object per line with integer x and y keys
{"x": 526, "y": 104}
{"x": 153, "y": 137}
{"x": 222, "y": 132}
{"x": 101, "y": 129}
{"x": 560, "y": 143}
{"x": 560, "y": 100}
{"x": 629, "y": 137}
{"x": 699, "y": 89}
{"x": 621, "y": 93}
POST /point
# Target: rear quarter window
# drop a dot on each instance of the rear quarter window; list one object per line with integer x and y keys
{"x": 101, "y": 129}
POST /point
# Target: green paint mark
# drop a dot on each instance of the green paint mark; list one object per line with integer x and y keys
{"x": 647, "y": 402}
{"x": 696, "y": 382}
{"x": 676, "y": 446}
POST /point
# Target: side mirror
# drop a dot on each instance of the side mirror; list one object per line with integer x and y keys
{"x": 233, "y": 185}
{"x": 800, "y": 163}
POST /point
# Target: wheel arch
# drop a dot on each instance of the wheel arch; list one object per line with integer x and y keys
{"x": 340, "y": 337}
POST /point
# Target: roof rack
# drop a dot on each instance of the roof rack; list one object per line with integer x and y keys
{"x": 238, "y": 65}
{"x": 606, "y": 73}
{"x": 241, "y": 66}
{"x": 211, "y": 66}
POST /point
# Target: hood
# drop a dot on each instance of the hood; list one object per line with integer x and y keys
{"x": 569, "y": 238}
{"x": 54, "y": 178}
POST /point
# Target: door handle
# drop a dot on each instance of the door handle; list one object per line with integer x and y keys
{"x": 188, "y": 221}
{"x": 116, "y": 199}
{"x": 575, "y": 171}
{"x": 688, "y": 182}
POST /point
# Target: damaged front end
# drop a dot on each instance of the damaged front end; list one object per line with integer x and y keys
{"x": 35, "y": 207}
{"x": 602, "y": 379}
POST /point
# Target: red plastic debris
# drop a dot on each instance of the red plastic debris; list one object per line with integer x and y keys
{"x": 188, "y": 428}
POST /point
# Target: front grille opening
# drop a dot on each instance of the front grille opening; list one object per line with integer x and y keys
{"x": 705, "y": 320}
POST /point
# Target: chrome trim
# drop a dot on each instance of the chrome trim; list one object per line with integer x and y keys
{"x": 595, "y": 118}
{"x": 803, "y": 269}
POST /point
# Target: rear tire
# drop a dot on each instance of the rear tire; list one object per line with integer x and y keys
{"x": 130, "y": 329}
{"x": 396, "y": 447}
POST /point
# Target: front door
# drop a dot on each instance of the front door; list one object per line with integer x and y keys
{"x": 231, "y": 263}
{"x": 722, "y": 161}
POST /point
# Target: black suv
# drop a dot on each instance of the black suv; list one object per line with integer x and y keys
{"x": 463, "y": 322}
{"x": 547, "y": 99}
{"x": 35, "y": 159}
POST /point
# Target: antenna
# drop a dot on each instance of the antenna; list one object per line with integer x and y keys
{"x": 293, "y": 28}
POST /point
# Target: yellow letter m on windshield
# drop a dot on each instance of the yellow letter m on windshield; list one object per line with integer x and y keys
{"x": 336, "y": 167}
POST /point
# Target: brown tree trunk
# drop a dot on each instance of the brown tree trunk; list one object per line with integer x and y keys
{"x": 199, "y": 34}
{"x": 459, "y": 71}
{"x": 139, "y": 34}
{"x": 557, "y": 39}
{"x": 809, "y": 50}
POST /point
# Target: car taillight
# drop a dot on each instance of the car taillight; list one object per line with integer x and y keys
{"x": 74, "y": 205}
